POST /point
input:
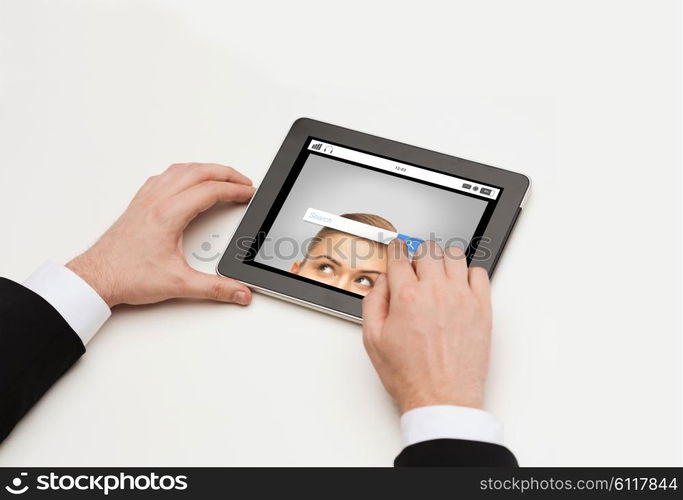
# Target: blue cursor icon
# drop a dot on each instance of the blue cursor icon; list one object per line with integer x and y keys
{"x": 411, "y": 243}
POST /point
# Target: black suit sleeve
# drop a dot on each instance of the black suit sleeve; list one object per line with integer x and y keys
{"x": 36, "y": 347}
{"x": 455, "y": 453}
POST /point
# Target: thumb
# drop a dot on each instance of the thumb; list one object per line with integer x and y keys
{"x": 376, "y": 304}
{"x": 199, "y": 285}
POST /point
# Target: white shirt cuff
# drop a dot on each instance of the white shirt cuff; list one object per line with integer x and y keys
{"x": 449, "y": 422}
{"x": 72, "y": 297}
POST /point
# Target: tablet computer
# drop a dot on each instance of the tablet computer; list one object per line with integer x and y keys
{"x": 316, "y": 230}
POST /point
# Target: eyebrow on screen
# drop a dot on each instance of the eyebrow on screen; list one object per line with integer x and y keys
{"x": 335, "y": 261}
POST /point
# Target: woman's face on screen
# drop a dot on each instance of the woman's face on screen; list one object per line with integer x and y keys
{"x": 344, "y": 261}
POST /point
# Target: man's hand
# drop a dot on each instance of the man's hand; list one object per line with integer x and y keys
{"x": 139, "y": 260}
{"x": 427, "y": 327}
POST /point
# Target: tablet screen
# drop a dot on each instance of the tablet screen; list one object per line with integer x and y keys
{"x": 340, "y": 207}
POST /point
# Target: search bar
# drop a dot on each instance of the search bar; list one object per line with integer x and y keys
{"x": 359, "y": 229}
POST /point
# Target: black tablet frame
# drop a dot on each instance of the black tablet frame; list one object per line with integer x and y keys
{"x": 514, "y": 188}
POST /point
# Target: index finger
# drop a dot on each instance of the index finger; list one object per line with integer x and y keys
{"x": 376, "y": 304}
{"x": 188, "y": 204}
{"x": 399, "y": 269}
{"x": 429, "y": 261}
{"x": 182, "y": 176}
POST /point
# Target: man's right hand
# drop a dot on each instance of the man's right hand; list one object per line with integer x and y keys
{"x": 427, "y": 327}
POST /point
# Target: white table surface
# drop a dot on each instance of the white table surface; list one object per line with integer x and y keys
{"x": 580, "y": 95}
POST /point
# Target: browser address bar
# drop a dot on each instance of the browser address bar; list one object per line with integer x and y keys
{"x": 406, "y": 170}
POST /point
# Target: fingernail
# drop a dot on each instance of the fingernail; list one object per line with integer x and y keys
{"x": 454, "y": 252}
{"x": 438, "y": 251}
{"x": 240, "y": 297}
{"x": 380, "y": 279}
{"x": 398, "y": 246}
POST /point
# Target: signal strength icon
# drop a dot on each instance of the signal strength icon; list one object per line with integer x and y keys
{"x": 317, "y": 146}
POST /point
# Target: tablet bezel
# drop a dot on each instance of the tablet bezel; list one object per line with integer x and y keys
{"x": 515, "y": 187}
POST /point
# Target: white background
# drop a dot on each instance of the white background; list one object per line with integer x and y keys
{"x": 581, "y": 95}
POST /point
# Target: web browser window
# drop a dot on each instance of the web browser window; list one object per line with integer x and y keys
{"x": 340, "y": 207}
